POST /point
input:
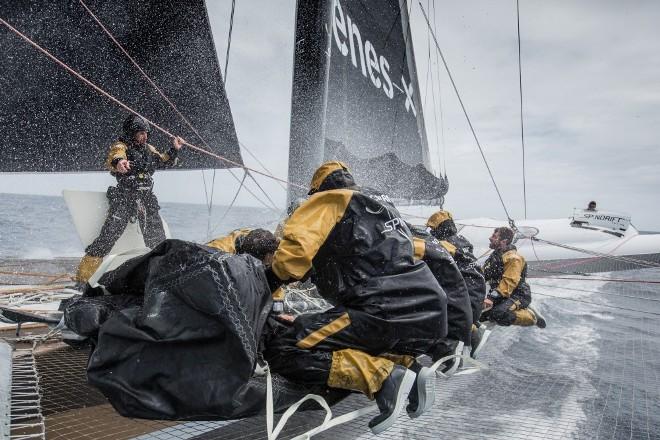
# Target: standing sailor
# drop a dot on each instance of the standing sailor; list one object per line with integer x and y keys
{"x": 133, "y": 162}
{"x": 505, "y": 270}
{"x": 361, "y": 254}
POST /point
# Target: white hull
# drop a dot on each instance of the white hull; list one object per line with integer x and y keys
{"x": 631, "y": 244}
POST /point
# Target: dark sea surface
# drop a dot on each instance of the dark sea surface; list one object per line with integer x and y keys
{"x": 34, "y": 226}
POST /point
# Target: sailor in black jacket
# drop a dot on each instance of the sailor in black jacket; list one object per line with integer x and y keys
{"x": 441, "y": 226}
{"x": 448, "y": 275}
{"x": 132, "y": 161}
{"x": 361, "y": 253}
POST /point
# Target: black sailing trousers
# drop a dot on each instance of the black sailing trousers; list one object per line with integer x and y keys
{"x": 302, "y": 352}
{"x": 127, "y": 204}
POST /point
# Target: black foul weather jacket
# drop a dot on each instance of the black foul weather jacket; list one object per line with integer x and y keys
{"x": 144, "y": 161}
{"x": 506, "y": 271}
{"x": 445, "y": 270}
{"x": 361, "y": 253}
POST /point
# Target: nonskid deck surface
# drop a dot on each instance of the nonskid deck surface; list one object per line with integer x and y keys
{"x": 19, "y": 272}
{"x": 593, "y": 373}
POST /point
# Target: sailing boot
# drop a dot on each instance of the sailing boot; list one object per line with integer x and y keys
{"x": 374, "y": 376}
{"x": 86, "y": 268}
{"x": 391, "y": 398}
{"x": 524, "y": 318}
{"x": 540, "y": 320}
{"x": 421, "y": 395}
{"x": 480, "y": 335}
{"x": 445, "y": 348}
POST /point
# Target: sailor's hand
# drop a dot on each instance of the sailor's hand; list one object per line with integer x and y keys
{"x": 178, "y": 142}
{"x": 123, "y": 166}
{"x": 286, "y": 318}
{"x": 488, "y": 304}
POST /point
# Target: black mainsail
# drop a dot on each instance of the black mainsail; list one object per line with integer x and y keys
{"x": 356, "y": 98}
{"x": 53, "y": 122}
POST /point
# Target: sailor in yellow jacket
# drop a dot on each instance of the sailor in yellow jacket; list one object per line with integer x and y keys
{"x": 506, "y": 271}
{"x": 359, "y": 253}
{"x": 132, "y": 161}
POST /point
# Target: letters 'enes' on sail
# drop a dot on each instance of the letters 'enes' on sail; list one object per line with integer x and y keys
{"x": 53, "y": 122}
{"x": 356, "y": 98}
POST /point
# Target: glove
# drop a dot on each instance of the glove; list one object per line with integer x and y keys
{"x": 494, "y": 295}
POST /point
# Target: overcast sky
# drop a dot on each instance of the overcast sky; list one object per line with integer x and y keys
{"x": 591, "y": 87}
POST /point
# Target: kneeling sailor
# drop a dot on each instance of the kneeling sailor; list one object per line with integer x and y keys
{"x": 505, "y": 271}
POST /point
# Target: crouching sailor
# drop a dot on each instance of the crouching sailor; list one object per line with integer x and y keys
{"x": 448, "y": 275}
{"x": 505, "y": 270}
{"x": 360, "y": 254}
{"x": 441, "y": 226}
{"x": 259, "y": 243}
{"x": 133, "y": 162}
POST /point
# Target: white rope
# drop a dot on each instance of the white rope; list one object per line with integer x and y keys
{"x": 328, "y": 421}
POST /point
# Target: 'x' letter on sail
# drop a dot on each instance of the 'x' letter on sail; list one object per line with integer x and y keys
{"x": 409, "y": 92}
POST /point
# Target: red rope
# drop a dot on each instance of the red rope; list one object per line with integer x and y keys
{"x": 615, "y": 280}
{"x": 126, "y": 107}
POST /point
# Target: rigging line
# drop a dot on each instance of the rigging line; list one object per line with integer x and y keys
{"x": 649, "y": 264}
{"x": 467, "y": 117}
{"x": 209, "y": 201}
{"x": 231, "y": 28}
{"x": 206, "y": 193}
{"x": 522, "y": 125}
{"x": 442, "y": 119}
{"x": 586, "y": 260}
{"x": 535, "y": 268}
{"x": 129, "y": 109}
{"x": 609, "y": 280}
{"x": 428, "y": 60}
{"x": 598, "y": 254}
{"x": 596, "y": 291}
{"x": 435, "y": 106}
{"x": 144, "y": 74}
{"x": 210, "y": 211}
{"x": 231, "y": 205}
{"x": 596, "y": 304}
{"x": 264, "y": 192}
{"x": 266, "y": 205}
{"x": 259, "y": 162}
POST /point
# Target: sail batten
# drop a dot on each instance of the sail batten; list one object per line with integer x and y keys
{"x": 55, "y": 123}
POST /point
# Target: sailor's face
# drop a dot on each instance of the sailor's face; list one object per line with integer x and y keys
{"x": 494, "y": 240}
{"x": 140, "y": 137}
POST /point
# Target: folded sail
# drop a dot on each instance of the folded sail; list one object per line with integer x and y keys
{"x": 53, "y": 122}
{"x": 356, "y": 98}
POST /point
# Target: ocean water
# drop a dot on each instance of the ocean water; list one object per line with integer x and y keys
{"x": 40, "y": 226}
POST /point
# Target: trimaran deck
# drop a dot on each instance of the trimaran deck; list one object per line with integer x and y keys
{"x": 592, "y": 373}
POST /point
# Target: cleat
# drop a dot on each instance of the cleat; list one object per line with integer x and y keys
{"x": 391, "y": 397}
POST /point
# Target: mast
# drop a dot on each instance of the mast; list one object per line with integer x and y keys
{"x": 309, "y": 94}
